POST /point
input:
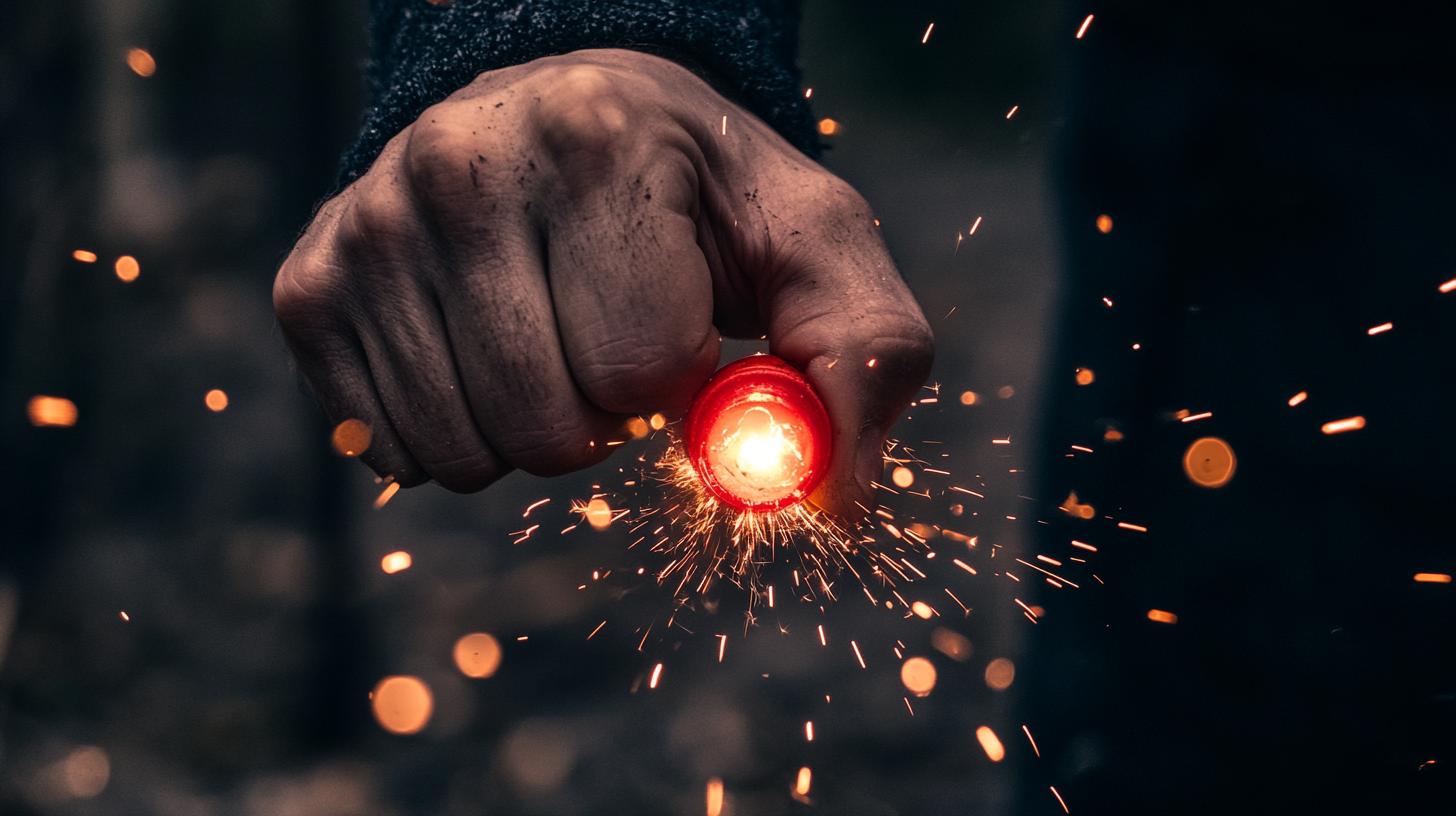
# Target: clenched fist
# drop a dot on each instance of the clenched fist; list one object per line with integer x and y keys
{"x": 559, "y": 245}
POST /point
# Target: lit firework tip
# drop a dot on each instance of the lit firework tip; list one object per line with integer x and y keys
{"x": 754, "y": 446}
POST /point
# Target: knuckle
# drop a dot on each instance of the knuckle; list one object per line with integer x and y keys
{"x": 305, "y": 290}
{"x": 904, "y": 346}
{"x": 438, "y": 156}
{"x": 582, "y": 111}
{"x": 379, "y": 225}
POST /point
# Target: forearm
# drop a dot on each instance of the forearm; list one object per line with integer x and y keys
{"x": 423, "y": 52}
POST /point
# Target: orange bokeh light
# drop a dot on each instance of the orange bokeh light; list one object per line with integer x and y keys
{"x": 918, "y": 676}
{"x": 402, "y": 704}
{"x": 351, "y": 437}
{"x": 1000, "y": 674}
{"x": 1210, "y": 462}
{"x": 51, "y": 412}
{"x": 141, "y": 62}
{"x": 477, "y": 655}
{"x": 127, "y": 269}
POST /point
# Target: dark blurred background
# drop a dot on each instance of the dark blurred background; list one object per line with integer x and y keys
{"x": 192, "y": 605}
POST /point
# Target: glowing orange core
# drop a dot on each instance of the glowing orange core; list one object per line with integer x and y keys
{"x": 758, "y": 436}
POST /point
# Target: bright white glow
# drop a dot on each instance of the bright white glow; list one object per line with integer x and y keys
{"x": 758, "y": 456}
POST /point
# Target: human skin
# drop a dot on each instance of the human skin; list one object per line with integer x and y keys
{"x": 561, "y": 245}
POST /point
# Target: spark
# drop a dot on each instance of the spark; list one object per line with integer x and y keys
{"x": 1298, "y": 398}
{"x": 656, "y": 676}
{"x": 1136, "y": 528}
{"x": 1082, "y": 29}
{"x": 598, "y": 629}
{"x": 51, "y": 412}
{"x": 722, "y": 647}
{"x": 1381, "y": 329}
{"x": 534, "y": 505}
{"x": 84, "y": 256}
{"x": 523, "y": 535}
{"x": 975, "y": 225}
{"x": 926, "y": 37}
{"x": 1060, "y": 800}
{"x": 1032, "y": 740}
{"x": 397, "y": 561}
{"x": 1432, "y": 578}
{"x": 990, "y": 743}
{"x": 715, "y": 797}
{"x": 808, "y": 93}
{"x": 724, "y": 130}
{"x": 708, "y": 540}
{"x": 597, "y": 512}
{"x": 803, "y": 781}
{"x": 1047, "y": 572}
{"x": 141, "y": 62}
{"x": 1162, "y": 616}
{"x": 857, "y": 655}
{"x": 1196, "y": 417}
{"x": 1012, "y": 112}
{"x": 388, "y": 493}
{"x": 1339, "y": 426}
{"x": 809, "y": 730}
{"x": 1447, "y": 287}
{"x": 126, "y": 618}
{"x": 823, "y": 641}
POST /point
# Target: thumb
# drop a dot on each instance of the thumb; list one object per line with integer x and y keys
{"x": 837, "y": 309}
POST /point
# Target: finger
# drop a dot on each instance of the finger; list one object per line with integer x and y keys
{"x": 498, "y": 311}
{"x": 332, "y": 363}
{"x": 401, "y": 329}
{"x": 839, "y": 310}
{"x": 632, "y": 290}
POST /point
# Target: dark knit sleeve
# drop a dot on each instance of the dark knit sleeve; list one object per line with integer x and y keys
{"x": 423, "y": 51}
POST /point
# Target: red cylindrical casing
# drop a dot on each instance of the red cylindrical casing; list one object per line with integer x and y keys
{"x": 767, "y": 382}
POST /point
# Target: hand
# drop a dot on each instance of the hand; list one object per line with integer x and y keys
{"x": 558, "y": 245}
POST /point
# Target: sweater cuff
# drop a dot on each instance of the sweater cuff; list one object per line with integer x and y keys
{"x": 424, "y": 51}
